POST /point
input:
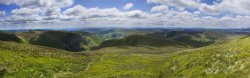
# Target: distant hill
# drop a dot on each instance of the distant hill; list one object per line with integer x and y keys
{"x": 108, "y": 34}
{"x": 9, "y": 37}
{"x": 195, "y": 38}
{"x": 140, "y": 40}
{"x": 63, "y": 40}
{"x": 80, "y": 40}
{"x": 71, "y": 41}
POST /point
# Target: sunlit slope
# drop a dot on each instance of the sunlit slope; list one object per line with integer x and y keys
{"x": 120, "y": 33}
{"x": 29, "y": 61}
{"x": 196, "y": 38}
{"x": 136, "y": 56}
{"x": 225, "y": 60}
{"x": 71, "y": 41}
{"x": 129, "y": 62}
{"x": 228, "y": 59}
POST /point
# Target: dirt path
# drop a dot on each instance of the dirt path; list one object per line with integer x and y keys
{"x": 189, "y": 50}
{"x": 89, "y": 64}
{"x": 87, "y": 68}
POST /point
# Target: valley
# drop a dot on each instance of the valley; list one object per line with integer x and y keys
{"x": 122, "y": 53}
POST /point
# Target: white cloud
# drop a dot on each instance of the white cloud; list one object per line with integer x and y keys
{"x": 25, "y": 11}
{"x": 48, "y": 13}
{"x": 128, "y": 6}
{"x": 16, "y": 19}
{"x": 51, "y": 11}
{"x": 179, "y": 3}
{"x": 83, "y": 12}
{"x": 160, "y": 8}
{"x": 2, "y": 13}
{"x": 136, "y": 14}
{"x": 76, "y": 11}
{"x": 232, "y": 6}
{"x": 79, "y": 11}
{"x": 39, "y": 3}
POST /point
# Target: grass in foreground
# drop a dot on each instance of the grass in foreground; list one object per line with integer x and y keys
{"x": 224, "y": 60}
{"x": 28, "y": 61}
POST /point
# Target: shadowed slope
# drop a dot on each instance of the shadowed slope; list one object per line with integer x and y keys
{"x": 9, "y": 37}
{"x": 140, "y": 40}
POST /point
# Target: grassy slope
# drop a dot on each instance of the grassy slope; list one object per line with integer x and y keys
{"x": 230, "y": 59}
{"x": 92, "y": 40}
{"x": 137, "y": 40}
{"x": 128, "y": 62}
{"x": 10, "y": 37}
{"x": 121, "y": 33}
{"x": 219, "y": 60}
{"x": 71, "y": 41}
{"x": 28, "y": 61}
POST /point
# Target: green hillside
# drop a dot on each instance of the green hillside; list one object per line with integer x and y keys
{"x": 140, "y": 40}
{"x": 71, "y": 41}
{"x": 10, "y": 37}
{"x": 195, "y": 38}
{"x": 228, "y": 59}
{"x": 225, "y": 60}
{"x": 129, "y": 62}
{"x": 120, "y": 33}
{"x": 28, "y": 61}
{"x": 135, "y": 56}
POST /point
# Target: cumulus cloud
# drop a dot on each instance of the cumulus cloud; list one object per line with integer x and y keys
{"x": 159, "y": 8}
{"x": 50, "y": 13}
{"x": 77, "y": 14}
{"x": 233, "y": 6}
{"x": 25, "y": 11}
{"x": 76, "y": 11}
{"x": 2, "y": 13}
{"x": 220, "y": 6}
{"x": 179, "y": 3}
{"x": 15, "y": 19}
{"x": 39, "y": 3}
{"x": 50, "y": 9}
{"x": 128, "y": 6}
{"x": 136, "y": 14}
{"x": 80, "y": 11}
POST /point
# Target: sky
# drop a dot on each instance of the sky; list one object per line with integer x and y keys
{"x": 57, "y": 14}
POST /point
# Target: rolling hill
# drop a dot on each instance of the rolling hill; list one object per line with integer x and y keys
{"x": 71, "y": 41}
{"x": 141, "y": 40}
{"x": 226, "y": 60}
{"x": 10, "y": 37}
{"x": 135, "y": 56}
{"x": 19, "y": 60}
{"x": 195, "y": 38}
{"x": 117, "y": 33}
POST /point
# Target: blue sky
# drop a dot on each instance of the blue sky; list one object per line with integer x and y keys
{"x": 124, "y": 13}
{"x": 139, "y": 4}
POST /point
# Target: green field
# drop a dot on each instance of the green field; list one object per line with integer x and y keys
{"x": 128, "y": 59}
